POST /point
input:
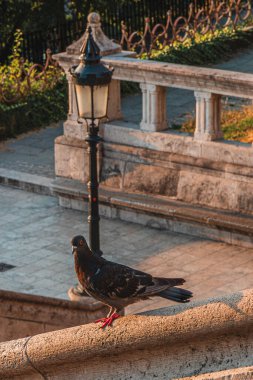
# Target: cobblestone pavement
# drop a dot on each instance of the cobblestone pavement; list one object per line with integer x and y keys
{"x": 35, "y": 238}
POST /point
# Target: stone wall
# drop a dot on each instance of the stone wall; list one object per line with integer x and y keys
{"x": 23, "y": 315}
{"x": 209, "y": 339}
{"x": 204, "y": 173}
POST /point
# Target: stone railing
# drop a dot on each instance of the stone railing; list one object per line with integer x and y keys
{"x": 183, "y": 341}
{"x": 208, "y": 86}
{"x": 154, "y": 77}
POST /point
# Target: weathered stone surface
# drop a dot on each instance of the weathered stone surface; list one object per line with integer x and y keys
{"x": 216, "y": 192}
{"x": 175, "y": 342}
{"x": 150, "y": 179}
{"x": 112, "y": 173}
{"x": 245, "y": 373}
{"x": 71, "y": 161}
{"x": 182, "y": 76}
{"x": 245, "y": 197}
{"x": 207, "y": 190}
{"x": 22, "y": 315}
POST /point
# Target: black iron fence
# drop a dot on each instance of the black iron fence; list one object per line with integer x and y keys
{"x": 132, "y": 12}
{"x": 198, "y": 22}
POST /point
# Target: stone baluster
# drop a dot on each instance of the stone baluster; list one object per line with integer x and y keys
{"x": 114, "y": 101}
{"x": 72, "y": 111}
{"x": 208, "y": 114}
{"x": 154, "y": 115}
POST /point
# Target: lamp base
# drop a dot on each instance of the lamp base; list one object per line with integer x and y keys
{"x": 76, "y": 293}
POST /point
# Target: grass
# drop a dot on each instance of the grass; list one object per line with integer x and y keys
{"x": 236, "y": 125}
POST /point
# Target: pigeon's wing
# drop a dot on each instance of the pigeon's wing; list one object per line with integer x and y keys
{"x": 118, "y": 281}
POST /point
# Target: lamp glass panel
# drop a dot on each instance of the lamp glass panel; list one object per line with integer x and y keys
{"x": 100, "y": 97}
{"x": 83, "y": 95}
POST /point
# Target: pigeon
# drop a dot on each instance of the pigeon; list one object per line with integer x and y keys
{"x": 118, "y": 285}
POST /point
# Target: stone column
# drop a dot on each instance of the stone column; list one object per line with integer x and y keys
{"x": 154, "y": 113}
{"x": 208, "y": 114}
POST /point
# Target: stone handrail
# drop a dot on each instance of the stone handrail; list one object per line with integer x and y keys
{"x": 198, "y": 338}
{"x": 194, "y": 78}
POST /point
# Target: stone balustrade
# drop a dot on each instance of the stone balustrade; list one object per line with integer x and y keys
{"x": 209, "y": 339}
{"x": 154, "y": 77}
{"x": 208, "y": 86}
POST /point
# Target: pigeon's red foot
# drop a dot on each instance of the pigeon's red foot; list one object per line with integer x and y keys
{"x": 108, "y": 321}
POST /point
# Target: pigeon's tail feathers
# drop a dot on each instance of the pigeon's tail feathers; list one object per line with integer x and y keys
{"x": 170, "y": 281}
{"x": 176, "y": 294}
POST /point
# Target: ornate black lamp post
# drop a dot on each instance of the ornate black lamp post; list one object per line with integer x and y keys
{"x": 91, "y": 81}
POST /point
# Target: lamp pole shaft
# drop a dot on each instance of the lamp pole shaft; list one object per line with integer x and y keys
{"x": 93, "y": 210}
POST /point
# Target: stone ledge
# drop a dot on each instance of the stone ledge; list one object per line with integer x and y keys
{"x": 25, "y": 181}
{"x": 159, "y": 209}
{"x": 245, "y": 373}
{"x": 217, "y": 81}
{"x": 154, "y": 211}
{"x": 26, "y": 314}
{"x": 91, "y": 304}
{"x": 186, "y": 340}
{"x": 220, "y": 151}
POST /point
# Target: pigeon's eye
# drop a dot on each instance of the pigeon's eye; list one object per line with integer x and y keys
{"x": 81, "y": 242}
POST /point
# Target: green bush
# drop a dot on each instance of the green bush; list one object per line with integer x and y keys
{"x": 29, "y": 101}
{"x": 38, "y": 110}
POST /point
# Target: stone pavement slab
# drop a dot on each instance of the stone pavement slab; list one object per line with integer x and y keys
{"x": 32, "y": 152}
{"x": 35, "y": 236}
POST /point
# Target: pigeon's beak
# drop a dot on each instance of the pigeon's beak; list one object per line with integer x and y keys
{"x": 73, "y": 249}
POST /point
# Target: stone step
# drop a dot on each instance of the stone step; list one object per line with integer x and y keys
{"x": 152, "y": 211}
{"x": 25, "y": 181}
{"x": 160, "y": 212}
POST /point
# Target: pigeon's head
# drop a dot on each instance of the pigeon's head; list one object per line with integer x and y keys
{"x": 78, "y": 242}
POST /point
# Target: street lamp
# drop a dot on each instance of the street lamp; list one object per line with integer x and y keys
{"x": 91, "y": 81}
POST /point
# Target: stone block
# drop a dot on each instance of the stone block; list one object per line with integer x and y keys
{"x": 245, "y": 197}
{"x": 150, "y": 179}
{"x": 17, "y": 328}
{"x": 24, "y": 315}
{"x": 208, "y": 190}
{"x": 112, "y": 173}
{"x": 108, "y": 211}
{"x": 71, "y": 161}
{"x": 74, "y": 130}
